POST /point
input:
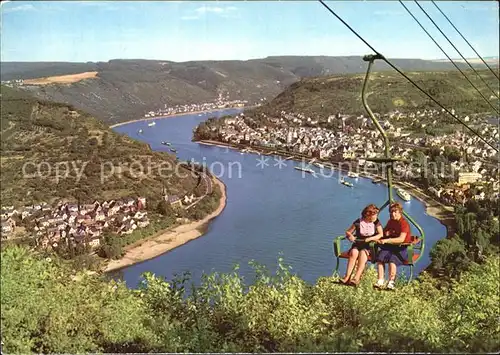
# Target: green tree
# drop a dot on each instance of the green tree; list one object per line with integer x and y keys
{"x": 164, "y": 208}
{"x": 111, "y": 247}
{"x": 46, "y": 309}
{"x": 452, "y": 153}
{"x": 449, "y": 257}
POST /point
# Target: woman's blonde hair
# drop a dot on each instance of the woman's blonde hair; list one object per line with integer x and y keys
{"x": 396, "y": 206}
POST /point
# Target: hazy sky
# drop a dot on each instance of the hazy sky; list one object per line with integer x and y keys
{"x": 82, "y": 31}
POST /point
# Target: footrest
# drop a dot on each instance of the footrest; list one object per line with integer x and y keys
{"x": 415, "y": 257}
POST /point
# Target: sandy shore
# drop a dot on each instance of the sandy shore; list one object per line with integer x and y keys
{"x": 175, "y": 115}
{"x": 169, "y": 239}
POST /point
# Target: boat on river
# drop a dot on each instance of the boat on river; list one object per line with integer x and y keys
{"x": 307, "y": 170}
{"x": 346, "y": 183}
{"x": 403, "y": 194}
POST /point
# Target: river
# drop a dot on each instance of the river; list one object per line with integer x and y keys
{"x": 271, "y": 209}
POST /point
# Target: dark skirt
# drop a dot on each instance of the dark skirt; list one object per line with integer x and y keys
{"x": 392, "y": 254}
{"x": 360, "y": 246}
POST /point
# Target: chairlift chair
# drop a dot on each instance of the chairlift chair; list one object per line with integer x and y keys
{"x": 417, "y": 246}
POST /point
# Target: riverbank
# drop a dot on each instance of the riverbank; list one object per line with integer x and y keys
{"x": 445, "y": 214}
{"x": 169, "y": 239}
{"x": 176, "y": 115}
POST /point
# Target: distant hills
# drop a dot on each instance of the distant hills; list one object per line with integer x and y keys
{"x": 321, "y": 97}
{"x": 491, "y": 61}
{"x": 126, "y": 89}
{"x": 31, "y": 70}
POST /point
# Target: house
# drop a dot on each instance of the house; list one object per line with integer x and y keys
{"x": 187, "y": 199}
{"x": 114, "y": 210}
{"x": 6, "y": 228}
{"x": 94, "y": 232}
{"x": 44, "y": 242}
{"x": 72, "y": 218}
{"x": 480, "y": 196}
{"x": 8, "y": 212}
{"x": 102, "y": 224}
{"x": 43, "y": 222}
{"x": 72, "y": 208}
{"x": 80, "y": 234}
{"x": 348, "y": 155}
{"x": 139, "y": 215}
{"x": 86, "y": 209}
{"x": 464, "y": 178}
{"x": 141, "y": 203}
{"x": 125, "y": 229}
{"x": 129, "y": 202}
{"x": 11, "y": 222}
{"x": 94, "y": 242}
{"x": 52, "y": 232}
{"x": 174, "y": 201}
{"x": 91, "y": 215}
{"x": 26, "y": 213}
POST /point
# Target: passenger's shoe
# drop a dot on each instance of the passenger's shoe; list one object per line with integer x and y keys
{"x": 390, "y": 285}
{"x": 379, "y": 284}
{"x": 342, "y": 282}
{"x": 354, "y": 282}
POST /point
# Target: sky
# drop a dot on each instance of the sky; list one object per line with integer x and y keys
{"x": 80, "y": 31}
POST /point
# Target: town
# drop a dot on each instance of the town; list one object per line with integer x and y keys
{"x": 220, "y": 103}
{"x": 354, "y": 138}
{"x": 70, "y": 222}
{"x": 85, "y": 224}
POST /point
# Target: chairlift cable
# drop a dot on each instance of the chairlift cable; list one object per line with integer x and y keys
{"x": 405, "y": 76}
{"x": 447, "y": 56}
{"x": 466, "y": 41}
{"x": 454, "y": 47}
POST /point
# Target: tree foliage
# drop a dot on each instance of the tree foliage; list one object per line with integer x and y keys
{"x": 47, "y": 309}
{"x": 477, "y": 237}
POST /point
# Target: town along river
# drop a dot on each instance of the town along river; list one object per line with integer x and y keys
{"x": 269, "y": 210}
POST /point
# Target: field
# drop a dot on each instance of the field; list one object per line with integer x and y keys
{"x": 61, "y": 79}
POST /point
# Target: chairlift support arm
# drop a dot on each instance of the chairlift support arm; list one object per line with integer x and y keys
{"x": 370, "y": 59}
